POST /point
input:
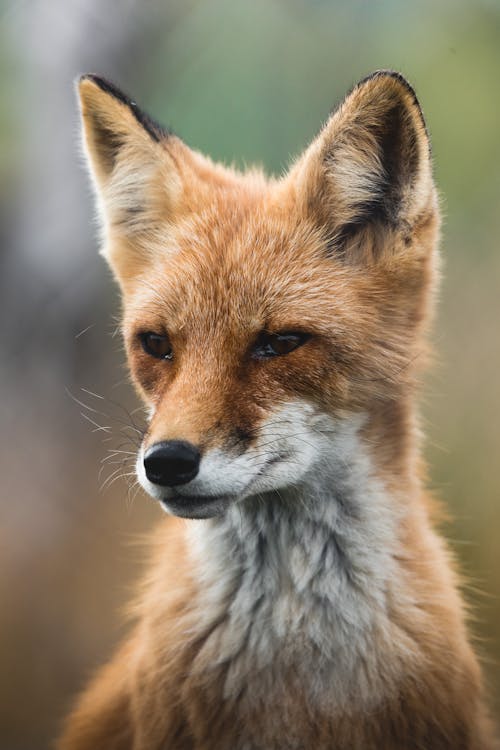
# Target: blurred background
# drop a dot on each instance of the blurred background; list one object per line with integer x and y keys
{"x": 244, "y": 82}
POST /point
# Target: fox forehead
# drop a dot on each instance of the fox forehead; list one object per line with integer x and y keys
{"x": 250, "y": 267}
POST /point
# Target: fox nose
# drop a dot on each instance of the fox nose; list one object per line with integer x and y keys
{"x": 171, "y": 462}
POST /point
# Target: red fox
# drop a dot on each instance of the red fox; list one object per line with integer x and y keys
{"x": 275, "y": 330}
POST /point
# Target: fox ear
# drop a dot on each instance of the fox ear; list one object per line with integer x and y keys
{"x": 135, "y": 176}
{"x": 369, "y": 170}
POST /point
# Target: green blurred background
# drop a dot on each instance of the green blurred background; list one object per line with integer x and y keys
{"x": 244, "y": 82}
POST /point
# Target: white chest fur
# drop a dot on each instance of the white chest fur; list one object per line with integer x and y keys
{"x": 300, "y": 579}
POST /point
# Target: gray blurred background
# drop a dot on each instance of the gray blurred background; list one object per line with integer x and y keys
{"x": 244, "y": 82}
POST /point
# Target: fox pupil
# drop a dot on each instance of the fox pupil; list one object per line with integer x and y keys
{"x": 277, "y": 344}
{"x": 156, "y": 345}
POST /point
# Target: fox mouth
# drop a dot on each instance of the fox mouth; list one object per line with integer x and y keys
{"x": 196, "y": 506}
{"x": 208, "y": 506}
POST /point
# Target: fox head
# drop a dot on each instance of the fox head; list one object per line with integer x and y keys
{"x": 259, "y": 313}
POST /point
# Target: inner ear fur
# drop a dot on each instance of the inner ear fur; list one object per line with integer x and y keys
{"x": 369, "y": 170}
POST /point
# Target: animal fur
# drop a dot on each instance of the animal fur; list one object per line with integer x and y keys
{"x": 311, "y": 603}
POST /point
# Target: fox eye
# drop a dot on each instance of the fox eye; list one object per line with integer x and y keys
{"x": 156, "y": 345}
{"x": 277, "y": 344}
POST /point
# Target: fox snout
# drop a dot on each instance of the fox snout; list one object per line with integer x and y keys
{"x": 202, "y": 479}
{"x": 172, "y": 464}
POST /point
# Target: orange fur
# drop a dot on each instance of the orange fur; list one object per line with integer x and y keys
{"x": 344, "y": 248}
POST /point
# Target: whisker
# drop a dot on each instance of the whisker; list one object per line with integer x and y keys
{"x": 91, "y": 393}
{"x": 119, "y": 476}
{"x": 98, "y": 427}
{"x": 84, "y": 330}
{"x": 109, "y": 478}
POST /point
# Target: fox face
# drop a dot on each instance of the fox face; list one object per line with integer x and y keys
{"x": 260, "y": 314}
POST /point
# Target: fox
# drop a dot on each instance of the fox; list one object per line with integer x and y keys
{"x": 299, "y": 595}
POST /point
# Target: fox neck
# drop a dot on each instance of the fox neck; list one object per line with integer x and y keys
{"x": 309, "y": 567}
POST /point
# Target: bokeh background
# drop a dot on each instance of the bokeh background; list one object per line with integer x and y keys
{"x": 245, "y": 82}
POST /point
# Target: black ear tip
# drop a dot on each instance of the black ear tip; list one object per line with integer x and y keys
{"x": 400, "y": 78}
{"x": 388, "y": 73}
{"x": 107, "y": 86}
{"x": 87, "y": 77}
{"x": 156, "y": 131}
{"x": 100, "y": 81}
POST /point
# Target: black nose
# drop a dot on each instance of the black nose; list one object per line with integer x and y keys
{"x": 171, "y": 462}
